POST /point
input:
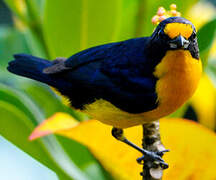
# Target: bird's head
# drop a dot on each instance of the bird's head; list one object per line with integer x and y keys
{"x": 177, "y": 33}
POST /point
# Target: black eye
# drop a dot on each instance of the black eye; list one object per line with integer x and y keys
{"x": 193, "y": 36}
{"x": 162, "y": 35}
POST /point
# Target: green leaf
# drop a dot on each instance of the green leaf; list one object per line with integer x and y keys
{"x": 205, "y": 39}
{"x": 34, "y": 9}
{"x": 18, "y": 8}
{"x": 70, "y": 26}
{"x": 49, "y": 144}
{"x": 50, "y": 104}
{"x": 16, "y": 127}
{"x": 62, "y": 151}
{"x": 128, "y": 23}
{"x": 20, "y": 100}
{"x": 28, "y": 11}
{"x": 34, "y": 32}
{"x": 47, "y": 100}
{"x": 35, "y": 43}
{"x": 11, "y": 42}
{"x": 211, "y": 70}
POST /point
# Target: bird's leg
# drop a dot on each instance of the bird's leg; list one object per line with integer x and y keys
{"x": 150, "y": 156}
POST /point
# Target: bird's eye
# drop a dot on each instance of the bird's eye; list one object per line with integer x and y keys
{"x": 193, "y": 36}
{"x": 162, "y": 35}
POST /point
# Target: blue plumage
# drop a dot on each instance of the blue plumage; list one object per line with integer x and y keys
{"x": 32, "y": 67}
{"x": 121, "y": 73}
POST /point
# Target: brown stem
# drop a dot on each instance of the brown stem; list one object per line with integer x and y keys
{"x": 152, "y": 142}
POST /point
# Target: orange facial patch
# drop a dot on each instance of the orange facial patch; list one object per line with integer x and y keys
{"x": 175, "y": 29}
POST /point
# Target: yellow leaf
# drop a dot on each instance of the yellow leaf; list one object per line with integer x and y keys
{"x": 203, "y": 102}
{"x": 198, "y": 18}
{"x": 59, "y": 121}
{"x": 192, "y": 156}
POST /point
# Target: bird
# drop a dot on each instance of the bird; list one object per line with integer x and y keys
{"x": 127, "y": 83}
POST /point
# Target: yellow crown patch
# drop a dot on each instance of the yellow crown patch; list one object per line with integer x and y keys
{"x": 175, "y": 29}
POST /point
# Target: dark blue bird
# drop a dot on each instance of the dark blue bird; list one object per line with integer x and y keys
{"x": 126, "y": 83}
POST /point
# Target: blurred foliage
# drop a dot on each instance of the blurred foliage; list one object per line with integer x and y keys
{"x": 205, "y": 43}
{"x": 52, "y": 28}
{"x": 5, "y": 14}
{"x": 196, "y": 144}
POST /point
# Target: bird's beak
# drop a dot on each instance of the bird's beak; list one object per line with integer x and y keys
{"x": 179, "y": 42}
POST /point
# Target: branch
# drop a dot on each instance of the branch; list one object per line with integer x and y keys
{"x": 152, "y": 142}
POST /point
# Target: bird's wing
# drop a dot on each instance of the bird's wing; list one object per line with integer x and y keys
{"x": 117, "y": 72}
{"x": 84, "y": 57}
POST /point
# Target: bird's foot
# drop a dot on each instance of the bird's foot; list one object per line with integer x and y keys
{"x": 150, "y": 158}
{"x": 118, "y": 134}
{"x": 153, "y": 159}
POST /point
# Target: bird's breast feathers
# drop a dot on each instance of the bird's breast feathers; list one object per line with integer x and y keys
{"x": 178, "y": 75}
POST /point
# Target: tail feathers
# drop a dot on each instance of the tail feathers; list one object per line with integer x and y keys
{"x": 29, "y": 66}
{"x": 32, "y": 67}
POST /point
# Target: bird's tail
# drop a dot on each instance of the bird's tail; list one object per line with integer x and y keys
{"x": 32, "y": 67}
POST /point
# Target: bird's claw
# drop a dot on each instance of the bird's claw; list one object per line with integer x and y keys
{"x": 161, "y": 153}
{"x": 154, "y": 159}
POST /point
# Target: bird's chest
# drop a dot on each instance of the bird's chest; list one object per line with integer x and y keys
{"x": 178, "y": 75}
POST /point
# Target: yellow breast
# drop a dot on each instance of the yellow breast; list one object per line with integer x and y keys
{"x": 178, "y": 76}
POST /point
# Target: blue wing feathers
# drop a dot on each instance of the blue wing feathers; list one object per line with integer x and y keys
{"x": 117, "y": 72}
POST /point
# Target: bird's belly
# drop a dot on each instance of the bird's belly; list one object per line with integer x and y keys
{"x": 178, "y": 76}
